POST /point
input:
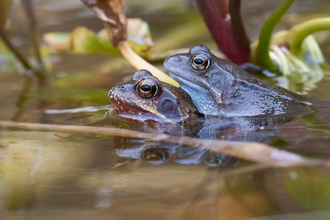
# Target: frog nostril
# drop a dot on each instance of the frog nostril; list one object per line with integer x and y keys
{"x": 179, "y": 59}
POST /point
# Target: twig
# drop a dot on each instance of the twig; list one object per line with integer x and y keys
{"x": 262, "y": 53}
{"x": 18, "y": 55}
{"x": 21, "y": 58}
{"x": 28, "y": 7}
{"x": 257, "y": 152}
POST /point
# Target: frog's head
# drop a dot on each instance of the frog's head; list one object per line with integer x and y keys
{"x": 198, "y": 72}
{"x": 146, "y": 98}
{"x": 190, "y": 66}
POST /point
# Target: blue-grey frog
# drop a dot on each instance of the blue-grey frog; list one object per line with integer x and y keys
{"x": 219, "y": 87}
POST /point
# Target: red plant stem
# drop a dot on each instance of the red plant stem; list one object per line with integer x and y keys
{"x": 221, "y": 30}
{"x": 222, "y": 8}
{"x": 237, "y": 26}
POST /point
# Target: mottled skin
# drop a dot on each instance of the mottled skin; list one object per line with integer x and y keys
{"x": 224, "y": 88}
{"x": 169, "y": 105}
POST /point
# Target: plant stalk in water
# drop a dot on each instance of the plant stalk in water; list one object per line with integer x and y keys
{"x": 262, "y": 53}
{"x": 299, "y": 32}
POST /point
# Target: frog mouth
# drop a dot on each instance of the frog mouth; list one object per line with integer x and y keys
{"x": 184, "y": 83}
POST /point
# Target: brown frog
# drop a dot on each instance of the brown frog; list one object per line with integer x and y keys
{"x": 145, "y": 98}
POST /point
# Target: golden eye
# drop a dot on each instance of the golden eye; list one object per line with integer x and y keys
{"x": 147, "y": 88}
{"x": 200, "y": 62}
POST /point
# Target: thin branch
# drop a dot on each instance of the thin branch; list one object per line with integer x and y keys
{"x": 257, "y": 152}
{"x": 18, "y": 55}
{"x": 29, "y": 10}
{"x": 262, "y": 53}
{"x": 21, "y": 58}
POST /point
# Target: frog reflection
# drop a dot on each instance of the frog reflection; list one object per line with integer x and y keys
{"x": 157, "y": 153}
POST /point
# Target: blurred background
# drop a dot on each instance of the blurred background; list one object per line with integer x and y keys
{"x": 49, "y": 175}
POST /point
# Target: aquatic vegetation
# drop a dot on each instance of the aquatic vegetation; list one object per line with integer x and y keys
{"x": 293, "y": 53}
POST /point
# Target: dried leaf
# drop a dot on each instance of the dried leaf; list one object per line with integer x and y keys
{"x": 111, "y": 13}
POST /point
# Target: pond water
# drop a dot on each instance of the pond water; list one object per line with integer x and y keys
{"x": 57, "y": 175}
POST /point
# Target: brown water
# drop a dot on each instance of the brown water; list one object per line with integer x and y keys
{"x": 52, "y": 175}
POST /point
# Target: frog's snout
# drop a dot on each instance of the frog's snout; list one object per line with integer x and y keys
{"x": 173, "y": 61}
{"x": 115, "y": 91}
{"x": 110, "y": 94}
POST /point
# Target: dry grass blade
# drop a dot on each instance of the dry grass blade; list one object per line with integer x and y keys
{"x": 111, "y": 13}
{"x": 256, "y": 152}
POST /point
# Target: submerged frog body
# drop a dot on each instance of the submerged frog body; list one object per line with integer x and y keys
{"x": 219, "y": 87}
{"x": 145, "y": 98}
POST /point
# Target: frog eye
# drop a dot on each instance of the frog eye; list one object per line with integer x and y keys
{"x": 155, "y": 156}
{"x": 200, "y": 62}
{"x": 147, "y": 88}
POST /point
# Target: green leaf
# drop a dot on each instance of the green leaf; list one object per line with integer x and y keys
{"x": 84, "y": 41}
